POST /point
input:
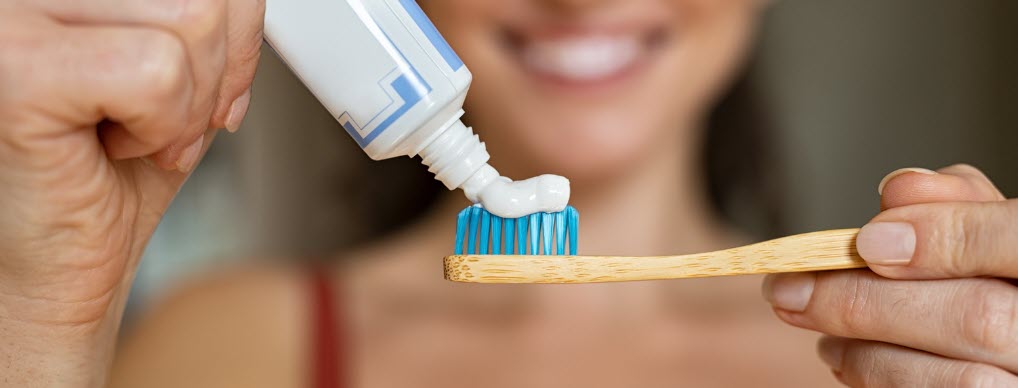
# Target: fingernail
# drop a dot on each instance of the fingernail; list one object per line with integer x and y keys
{"x": 789, "y": 291}
{"x": 189, "y": 157}
{"x": 886, "y": 243}
{"x": 901, "y": 171}
{"x": 831, "y": 350}
{"x": 237, "y": 111}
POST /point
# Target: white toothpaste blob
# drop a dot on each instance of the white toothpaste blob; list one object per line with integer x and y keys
{"x": 509, "y": 199}
{"x": 505, "y": 198}
{"x": 459, "y": 159}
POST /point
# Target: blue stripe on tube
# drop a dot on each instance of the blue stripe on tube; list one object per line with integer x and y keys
{"x": 417, "y": 14}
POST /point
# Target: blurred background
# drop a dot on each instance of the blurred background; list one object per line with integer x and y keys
{"x": 857, "y": 89}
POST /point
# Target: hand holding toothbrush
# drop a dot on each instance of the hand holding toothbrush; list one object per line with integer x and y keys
{"x": 105, "y": 106}
{"x": 940, "y": 306}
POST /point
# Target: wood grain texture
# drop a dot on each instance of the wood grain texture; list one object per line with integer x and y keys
{"x": 818, "y": 251}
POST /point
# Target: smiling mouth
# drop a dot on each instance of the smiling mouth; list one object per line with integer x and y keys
{"x": 585, "y": 58}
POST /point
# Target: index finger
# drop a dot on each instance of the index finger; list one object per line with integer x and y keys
{"x": 243, "y": 47}
{"x": 957, "y": 183}
{"x": 75, "y": 76}
{"x": 197, "y": 23}
{"x": 207, "y": 27}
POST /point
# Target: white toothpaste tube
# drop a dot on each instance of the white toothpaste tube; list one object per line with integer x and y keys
{"x": 397, "y": 87}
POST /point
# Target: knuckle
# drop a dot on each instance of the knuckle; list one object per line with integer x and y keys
{"x": 249, "y": 52}
{"x": 197, "y": 16}
{"x": 974, "y": 245}
{"x": 22, "y": 83}
{"x": 988, "y": 323}
{"x": 9, "y": 52}
{"x": 978, "y": 181}
{"x": 878, "y": 368}
{"x": 246, "y": 43}
{"x": 980, "y": 376}
{"x": 855, "y": 314}
{"x": 15, "y": 51}
{"x": 964, "y": 168}
{"x": 952, "y": 240}
{"x": 260, "y": 8}
{"x": 861, "y": 361}
{"x": 1009, "y": 209}
{"x": 162, "y": 67}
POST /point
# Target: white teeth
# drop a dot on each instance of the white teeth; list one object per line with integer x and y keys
{"x": 582, "y": 59}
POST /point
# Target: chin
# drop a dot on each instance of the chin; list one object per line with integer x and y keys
{"x": 595, "y": 163}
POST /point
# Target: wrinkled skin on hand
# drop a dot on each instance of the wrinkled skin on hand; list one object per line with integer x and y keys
{"x": 105, "y": 106}
{"x": 938, "y": 306}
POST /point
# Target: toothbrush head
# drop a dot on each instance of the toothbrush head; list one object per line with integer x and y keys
{"x": 479, "y": 232}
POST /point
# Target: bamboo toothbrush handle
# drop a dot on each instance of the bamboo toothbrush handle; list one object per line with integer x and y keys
{"x": 818, "y": 251}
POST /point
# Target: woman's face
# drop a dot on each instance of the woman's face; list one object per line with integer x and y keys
{"x": 585, "y": 88}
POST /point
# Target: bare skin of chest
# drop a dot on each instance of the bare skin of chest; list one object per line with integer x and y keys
{"x": 712, "y": 332}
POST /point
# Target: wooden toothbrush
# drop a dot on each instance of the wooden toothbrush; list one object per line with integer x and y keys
{"x": 817, "y": 251}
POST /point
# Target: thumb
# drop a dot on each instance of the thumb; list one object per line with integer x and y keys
{"x": 943, "y": 240}
{"x": 936, "y": 224}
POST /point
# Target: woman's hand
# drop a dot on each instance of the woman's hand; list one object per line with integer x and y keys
{"x": 105, "y": 105}
{"x": 940, "y": 306}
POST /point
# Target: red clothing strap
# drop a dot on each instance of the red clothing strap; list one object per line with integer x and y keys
{"x": 327, "y": 338}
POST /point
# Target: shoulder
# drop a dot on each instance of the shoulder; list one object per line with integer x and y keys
{"x": 238, "y": 327}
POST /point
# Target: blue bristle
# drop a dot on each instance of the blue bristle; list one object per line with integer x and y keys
{"x": 485, "y": 226}
{"x": 547, "y": 225}
{"x": 461, "y": 229}
{"x": 480, "y": 232}
{"x": 496, "y": 235}
{"x": 475, "y": 220}
{"x": 535, "y": 225}
{"x": 574, "y": 228}
{"x": 521, "y": 235}
{"x": 560, "y": 233}
{"x": 510, "y": 231}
